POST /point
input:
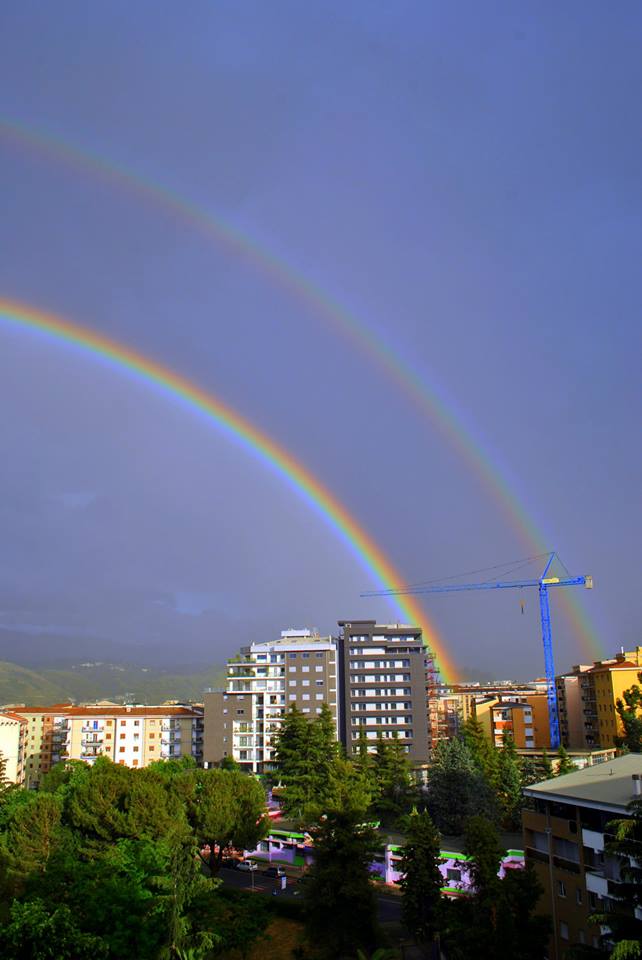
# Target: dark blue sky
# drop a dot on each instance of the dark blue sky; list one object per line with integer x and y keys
{"x": 465, "y": 178}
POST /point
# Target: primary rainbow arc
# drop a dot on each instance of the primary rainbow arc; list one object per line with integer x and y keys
{"x": 155, "y": 374}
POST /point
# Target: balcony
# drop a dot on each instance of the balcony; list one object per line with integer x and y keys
{"x": 597, "y": 884}
{"x": 89, "y": 729}
{"x": 592, "y": 839}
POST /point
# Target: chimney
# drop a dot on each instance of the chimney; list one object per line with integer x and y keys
{"x": 637, "y": 784}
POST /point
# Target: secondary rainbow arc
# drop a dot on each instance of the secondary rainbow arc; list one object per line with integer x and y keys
{"x": 425, "y": 396}
{"x": 235, "y": 425}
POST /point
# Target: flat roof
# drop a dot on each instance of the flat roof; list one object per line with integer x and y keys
{"x": 605, "y": 786}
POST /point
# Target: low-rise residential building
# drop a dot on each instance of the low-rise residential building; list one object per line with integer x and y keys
{"x": 13, "y": 737}
{"x": 522, "y": 716}
{"x": 587, "y": 699}
{"x": 132, "y": 735}
{"x": 565, "y": 838}
{"x": 263, "y": 682}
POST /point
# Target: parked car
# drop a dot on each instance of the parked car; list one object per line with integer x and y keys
{"x": 248, "y": 865}
{"x": 274, "y": 872}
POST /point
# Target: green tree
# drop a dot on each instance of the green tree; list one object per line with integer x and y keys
{"x": 339, "y": 899}
{"x": 629, "y": 709}
{"x": 421, "y": 881}
{"x": 225, "y": 809}
{"x": 349, "y": 787}
{"x": 457, "y": 789}
{"x": 482, "y": 750}
{"x": 392, "y": 777}
{"x": 510, "y": 784}
{"x": 35, "y": 932}
{"x": 305, "y": 752}
{"x": 565, "y": 764}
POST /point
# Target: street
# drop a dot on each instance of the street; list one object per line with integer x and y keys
{"x": 388, "y": 905}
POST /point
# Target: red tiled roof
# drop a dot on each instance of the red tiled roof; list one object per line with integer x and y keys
{"x": 12, "y": 716}
{"x": 71, "y": 711}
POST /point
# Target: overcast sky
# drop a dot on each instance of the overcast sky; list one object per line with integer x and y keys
{"x": 465, "y": 178}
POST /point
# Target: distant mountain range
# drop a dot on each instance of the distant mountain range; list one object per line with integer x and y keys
{"x": 93, "y": 680}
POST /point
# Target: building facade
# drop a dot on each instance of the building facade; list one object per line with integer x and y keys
{"x": 13, "y": 738}
{"x": 263, "y": 682}
{"x": 565, "y": 837}
{"x": 131, "y": 735}
{"x": 382, "y": 686}
{"x": 522, "y": 716}
{"x": 587, "y": 699}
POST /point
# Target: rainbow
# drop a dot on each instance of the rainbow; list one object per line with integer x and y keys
{"x": 244, "y": 433}
{"x": 428, "y": 398}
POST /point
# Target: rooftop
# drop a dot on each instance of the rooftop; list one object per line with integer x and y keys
{"x": 605, "y": 786}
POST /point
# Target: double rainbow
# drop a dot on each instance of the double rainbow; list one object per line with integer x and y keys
{"x": 424, "y": 394}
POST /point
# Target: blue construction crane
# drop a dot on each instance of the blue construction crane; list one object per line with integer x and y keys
{"x": 543, "y": 582}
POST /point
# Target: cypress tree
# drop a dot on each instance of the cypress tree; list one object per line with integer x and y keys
{"x": 421, "y": 881}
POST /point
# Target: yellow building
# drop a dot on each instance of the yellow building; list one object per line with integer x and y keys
{"x": 610, "y": 680}
{"x": 523, "y": 717}
{"x": 131, "y": 735}
{"x": 588, "y": 698}
{"x": 13, "y": 730}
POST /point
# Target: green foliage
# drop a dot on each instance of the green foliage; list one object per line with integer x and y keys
{"x": 35, "y": 932}
{"x": 103, "y": 862}
{"x": 630, "y": 712}
{"x": 339, "y": 899}
{"x": 565, "y": 764}
{"x": 457, "y": 788}
{"x": 392, "y": 779}
{"x": 421, "y": 881}
{"x": 499, "y": 919}
{"x": 510, "y": 784}
{"x": 305, "y": 752}
{"x": 483, "y": 752}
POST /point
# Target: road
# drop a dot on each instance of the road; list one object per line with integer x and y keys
{"x": 388, "y": 905}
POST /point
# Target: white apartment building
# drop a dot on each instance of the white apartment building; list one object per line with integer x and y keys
{"x": 300, "y": 668}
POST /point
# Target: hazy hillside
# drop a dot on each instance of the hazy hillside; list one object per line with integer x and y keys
{"x": 94, "y": 681}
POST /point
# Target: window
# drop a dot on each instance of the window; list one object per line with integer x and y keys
{"x": 152, "y": 747}
{"x": 306, "y": 683}
{"x": 135, "y": 749}
{"x": 293, "y": 696}
{"x": 306, "y": 696}
{"x": 305, "y": 656}
{"x": 563, "y": 930}
{"x": 135, "y": 763}
{"x": 292, "y": 656}
{"x": 578, "y": 896}
{"x": 240, "y": 711}
{"x": 319, "y": 696}
{"x": 292, "y": 683}
{"x": 318, "y": 710}
{"x": 319, "y": 683}
{"x": 137, "y": 723}
{"x": 122, "y": 736}
{"x": 319, "y": 669}
{"x": 561, "y": 888}
{"x": 121, "y": 750}
{"x": 318, "y": 655}
{"x": 305, "y": 669}
{"x": 305, "y": 710}
{"x": 453, "y": 874}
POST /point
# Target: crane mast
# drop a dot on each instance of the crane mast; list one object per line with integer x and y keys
{"x": 543, "y": 583}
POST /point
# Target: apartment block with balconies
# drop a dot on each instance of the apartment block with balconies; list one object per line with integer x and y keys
{"x": 263, "y": 682}
{"x": 566, "y": 837}
{"x": 382, "y": 670}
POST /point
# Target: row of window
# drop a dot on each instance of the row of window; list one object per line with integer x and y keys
{"x": 304, "y": 669}
{"x": 384, "y": 734}
{"x": 378, "y": 664}
{"x": 381, "y": 692}
{"x": 304, "y": 683}
{"x": 380, "y": 678}
{"x": 377, "y": 721}
{"x": 383, "y": 705}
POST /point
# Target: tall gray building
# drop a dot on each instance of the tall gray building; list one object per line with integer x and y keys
{"x": 382, "y": 686}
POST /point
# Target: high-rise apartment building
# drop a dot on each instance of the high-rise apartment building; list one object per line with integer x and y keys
{"x": 587, "y": 699}
{"x": 263, "y": 682}
{"x": 382, "y": 684}
{"x": 566, "y": 840}
{"x": 130, "y": 735}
